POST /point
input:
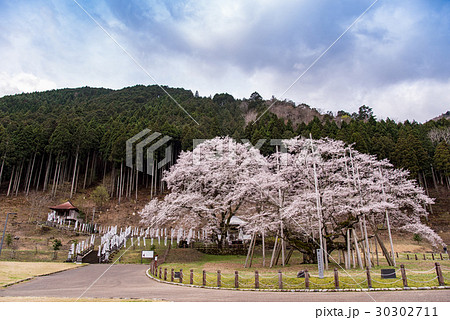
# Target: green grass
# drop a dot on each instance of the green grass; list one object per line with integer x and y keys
{"x": 32, "y": 255}
{"x": 268, "y": 277}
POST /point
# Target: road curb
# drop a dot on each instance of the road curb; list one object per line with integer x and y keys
{"x": 297, "y": 290}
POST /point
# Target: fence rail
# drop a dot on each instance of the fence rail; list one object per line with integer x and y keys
{"x": 365, "y": 280}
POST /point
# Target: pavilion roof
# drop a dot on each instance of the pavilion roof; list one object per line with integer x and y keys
{"x": 65, "y": 206}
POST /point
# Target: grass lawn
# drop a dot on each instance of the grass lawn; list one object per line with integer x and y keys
{"x": 11, "y": 271}
{"x": 420, "y": 273}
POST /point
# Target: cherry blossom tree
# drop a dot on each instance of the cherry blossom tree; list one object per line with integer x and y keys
{"x": 354, "y": 191}
{"x": 205, "y": 188}
{"x": 311, "y": 195}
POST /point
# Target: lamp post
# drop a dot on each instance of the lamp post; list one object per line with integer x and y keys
{"x": 4, "y": 230}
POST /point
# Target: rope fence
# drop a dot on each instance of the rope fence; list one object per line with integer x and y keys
{"x": 388, "y": 278}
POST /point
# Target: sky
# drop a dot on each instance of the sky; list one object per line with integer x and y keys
{"x": 395, "y": 58}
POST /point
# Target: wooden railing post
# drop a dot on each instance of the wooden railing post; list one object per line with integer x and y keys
{"x": 256, "y": 279}
{"x": 439, "y": 274}
{"x": 306, "y": 279}
{"x": 191, "y": 278}
{"x": 405, "y": 280}
{"x": 415, "y": 255}
{"x": 204, "y": 278}
{"x": 236, "y": 279}
{"x": 165, "y": 274}
{"x": 280, "y": 279}
{"x": 219, "y": 279}
{"x": 424, "y": 258}
{"x": 440, "y": 254}
{"x": 369, "y": 279}
{"x": 432, "y": 256}
{"x": 336, "y": 278}
{"x": 171, "y": 275}
{"x": 181, "y": 275}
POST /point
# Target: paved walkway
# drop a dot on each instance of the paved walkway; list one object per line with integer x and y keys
{"x": 130, "y": 281}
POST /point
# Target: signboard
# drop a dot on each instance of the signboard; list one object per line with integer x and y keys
{"x": 147, "y": 254}
{"x": 320, "y": 262}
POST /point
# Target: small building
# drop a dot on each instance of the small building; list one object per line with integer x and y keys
{"x": 66, "y": 212}
{"x": 236, "y": 233}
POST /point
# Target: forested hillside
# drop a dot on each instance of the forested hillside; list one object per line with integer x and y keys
{"x": 63, "y": 141}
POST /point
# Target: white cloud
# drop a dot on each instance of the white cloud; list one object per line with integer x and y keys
{"x": 236, "y": 47}
{"x": 23, "y": 82}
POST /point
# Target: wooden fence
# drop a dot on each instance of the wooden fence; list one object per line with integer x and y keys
{"x": 365, "y": 279}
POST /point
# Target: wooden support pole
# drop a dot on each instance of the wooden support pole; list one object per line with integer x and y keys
{"x": 181, "y": 275}
{"x": 165, "y": 274}
{"x": 439, "y": 274}
{"x": 249, "y": 251}
{"x": 415, "y": 255}
{"x": 283, "y": 245}
{"x": 432, "y": 256}
{"x": 369, "y": 279}
{"x": 405, "y": 280}
{"x": 289, "y": 255}
{"x": 253, "y": 250}
{"x": 256, "y": 279}
{"x": 160, "y": 272}
{"x": 376, "y": 250}
{"x": 236, "y": 279}
{"x": 191, "y": 276}
{"x": 306, "y": 279}
{"x": 171, "y": 275}
{"x": 273, "y": 252}
{"x": 280, "y": 279}
{"x": 349, "y": 251}
{"x": 336, "y": 278}
{"x": 325, "y": 253}
{"x": 219, "y": 279}
{"x": 358, "y": 253}
{"x": 407, "y": 257}
{"x": 424, "y": 258}
{"x": 263, "y": 250}
{"x": 204, "y": 278}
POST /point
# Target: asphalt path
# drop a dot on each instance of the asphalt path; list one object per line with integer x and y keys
{"x": 131, "y": 282}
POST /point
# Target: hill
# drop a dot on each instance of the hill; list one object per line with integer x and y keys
{"x": 65, "y": 142}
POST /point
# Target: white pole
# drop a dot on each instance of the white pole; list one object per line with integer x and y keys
{"x": 363, "y": 225}
{"x": 319, "y": 212}
{"x": 387, "y": 222}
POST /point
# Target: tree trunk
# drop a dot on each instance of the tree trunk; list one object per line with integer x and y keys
{"x": 137, "y": 181}
{"x": 10, "y": 180}
{"x": 76, "y": 178}
{"x": 27, "y": 176}
{"x": 31, "y": 173}
{"x": 75, "y": 166}
{"x": 85, "y": 173}
{"x": 47, "y": 172}
{"x": 19, "y": 177}
{"x": 38, "y": 177}
{"x": 119, "y": 185}
{"x": 1, "y": 169}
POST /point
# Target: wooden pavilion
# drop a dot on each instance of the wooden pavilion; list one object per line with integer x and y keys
{"x": 66, "y": 211}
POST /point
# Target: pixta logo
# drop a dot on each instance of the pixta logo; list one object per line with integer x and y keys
{"x": 147, "y": 142}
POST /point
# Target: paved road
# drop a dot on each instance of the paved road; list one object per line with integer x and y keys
{"x": 130, "y": 281}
